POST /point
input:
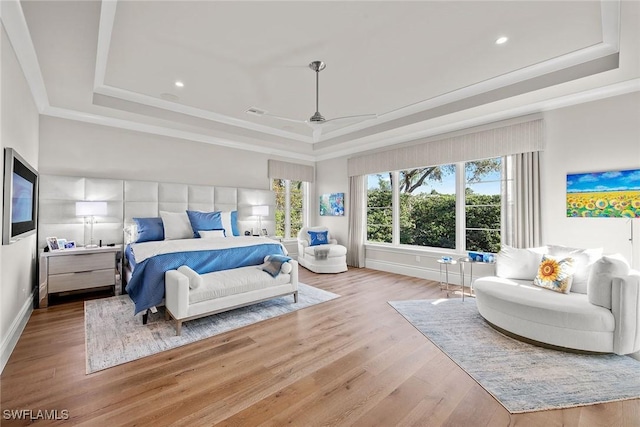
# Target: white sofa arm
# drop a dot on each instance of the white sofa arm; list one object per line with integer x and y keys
{"x": 333, "y": 242}
{"x": 177, "y": 293}
{"x": 625, "y": 306}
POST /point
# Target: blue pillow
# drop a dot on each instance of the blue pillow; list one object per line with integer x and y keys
{"x": 318, "y": 237}
{"x": 204, "y": 221}
{"x": 234, "y": 223}
{"x": 149, "y": 229}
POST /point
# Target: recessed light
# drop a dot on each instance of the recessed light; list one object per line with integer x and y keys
{"x": 179, "y": 83}
{"x": 502, "y": 40}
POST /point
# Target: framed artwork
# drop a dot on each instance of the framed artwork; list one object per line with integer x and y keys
{"x": 332, "y": 204}
{"x": 612, "y": 194}
{"x": 70, "y": 244}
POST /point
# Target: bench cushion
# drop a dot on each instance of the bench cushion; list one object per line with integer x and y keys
{"x": 238, "y": 280}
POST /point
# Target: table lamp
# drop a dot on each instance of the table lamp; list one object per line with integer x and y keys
{"x": 260, "y": 211}
{"x": 91, "y": 210}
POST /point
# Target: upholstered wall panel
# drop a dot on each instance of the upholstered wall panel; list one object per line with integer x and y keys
{"x": 201, "y": 198}
{"x": 140, "y": 200}
{"x": 127, "y": 199}
{"x": 225, "y": 199}
{"x": 57, "y": 209}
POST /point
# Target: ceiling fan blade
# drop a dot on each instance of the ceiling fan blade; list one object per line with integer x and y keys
{"x": 355, "y": 119}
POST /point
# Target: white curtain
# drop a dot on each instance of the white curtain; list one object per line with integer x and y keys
{"x": 357, "y": 222}
{"x": 521, "y": 186}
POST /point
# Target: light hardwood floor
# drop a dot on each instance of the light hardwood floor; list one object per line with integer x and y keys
{"x": 350, "y": 361}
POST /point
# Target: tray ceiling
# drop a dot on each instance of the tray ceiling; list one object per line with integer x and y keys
{"x": 422, "y": 67}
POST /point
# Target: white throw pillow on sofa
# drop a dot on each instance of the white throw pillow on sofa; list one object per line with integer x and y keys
{"x": 583, "y": 262}
{"x": 602, "y": 274}
{"x": 514, "y": 263}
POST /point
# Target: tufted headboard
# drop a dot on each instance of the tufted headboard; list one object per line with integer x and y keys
{"x": 127, "y": 199}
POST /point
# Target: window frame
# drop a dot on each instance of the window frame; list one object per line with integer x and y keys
{"x": 304, "y": 189}
{"x": 461, "y": 206}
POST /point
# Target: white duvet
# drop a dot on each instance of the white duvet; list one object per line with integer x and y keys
{"x": 142, "y": 251}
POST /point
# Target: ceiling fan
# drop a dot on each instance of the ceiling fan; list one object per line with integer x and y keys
{"x": 317, "y": 121}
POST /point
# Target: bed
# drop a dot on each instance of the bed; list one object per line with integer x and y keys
{"x": 148, "y": 261}
{"x": 182, "y": 211}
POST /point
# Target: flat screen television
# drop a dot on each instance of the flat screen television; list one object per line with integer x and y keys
{"x": 20, "y": 206}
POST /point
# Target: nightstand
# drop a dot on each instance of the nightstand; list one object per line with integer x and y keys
{"x": 78, "y": 269}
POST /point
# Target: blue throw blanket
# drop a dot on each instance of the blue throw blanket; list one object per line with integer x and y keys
{"x": 146, "y": 287}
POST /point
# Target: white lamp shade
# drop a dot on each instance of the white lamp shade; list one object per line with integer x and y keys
{"x": 262, "y": 210}
{"x": 91, "y": 208}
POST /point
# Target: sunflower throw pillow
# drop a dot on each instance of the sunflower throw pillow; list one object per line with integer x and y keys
{"x": 555, "y": 273}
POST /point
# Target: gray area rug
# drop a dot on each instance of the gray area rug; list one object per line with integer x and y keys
{"x": 521, "y": 376}
{"x": 113, "y": 335}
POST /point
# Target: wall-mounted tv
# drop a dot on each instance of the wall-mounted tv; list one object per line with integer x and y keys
{"x": 20, "y": 207}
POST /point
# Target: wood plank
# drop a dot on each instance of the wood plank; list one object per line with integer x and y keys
{"x": 350, "y": 361}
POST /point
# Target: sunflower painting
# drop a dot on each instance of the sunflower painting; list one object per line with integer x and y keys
{"x": 555, "y": 274}
{"x": 604, "y": 194}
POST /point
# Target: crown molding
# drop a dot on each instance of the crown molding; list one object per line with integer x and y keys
{"x": 397, "y": 136}
{"x": 64, "y": 113}
{"x": 16, "y": 26}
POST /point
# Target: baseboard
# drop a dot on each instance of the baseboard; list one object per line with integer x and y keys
{"x": 10, "y": 341}
{"x": 413, "y": 271}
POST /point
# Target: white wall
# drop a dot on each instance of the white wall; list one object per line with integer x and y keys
{"x": 19, "y": 130}
{"x": 593, "y": 137}
{"x": 331, "y": 177}
{"x": 82, "y": 149}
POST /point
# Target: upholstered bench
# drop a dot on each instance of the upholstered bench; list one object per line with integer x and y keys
{"x": 190, "y": 295}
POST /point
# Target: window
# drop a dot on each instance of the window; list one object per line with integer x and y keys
{"x": 426, "y": 212}
{"x": 379, "y": 211}
{"x": 428, "y": 206}
{"x": 483, "y": 205}
{"x": 290, "y": 202}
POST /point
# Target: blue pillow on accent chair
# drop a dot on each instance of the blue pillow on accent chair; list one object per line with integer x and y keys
{"x": 149, "y": 229}
{"x": 318, "y": 238}
{"x": 204, "y": 221}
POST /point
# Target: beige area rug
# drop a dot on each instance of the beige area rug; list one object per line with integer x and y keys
{"x": 114, "y": 336}
{"x": 521, "y": 376}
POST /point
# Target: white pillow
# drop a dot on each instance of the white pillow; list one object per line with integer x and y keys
{"x": 176, "y": 225}
{"x": 583, "y": 261}
{"x": 514, "y": 263}
{"x": 195, "y": 280}
{"x": 226, "y": 223}
{"x": 211, "y": 234}
{"x": 602, "y": 274}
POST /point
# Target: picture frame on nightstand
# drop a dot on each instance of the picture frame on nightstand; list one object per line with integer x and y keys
{"x": 70, "y": 244}
{"x": 52, "y": 243}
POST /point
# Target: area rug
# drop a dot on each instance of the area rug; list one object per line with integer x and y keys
{"x": 113, "y": 335}
{"x": 522, "y": 377}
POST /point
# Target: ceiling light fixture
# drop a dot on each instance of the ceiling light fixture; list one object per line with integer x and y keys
{"x": 502, "y": 40}
{"x": 179, "y": 83}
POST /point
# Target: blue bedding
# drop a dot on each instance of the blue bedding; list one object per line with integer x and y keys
{"x": 146, "y": 287}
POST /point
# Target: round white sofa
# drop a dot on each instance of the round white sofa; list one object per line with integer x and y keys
{"x": 572, "y": 320}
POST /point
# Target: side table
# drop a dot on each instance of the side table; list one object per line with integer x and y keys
{"x": 463, "y": 261}
{"x": 446, "y": 263}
